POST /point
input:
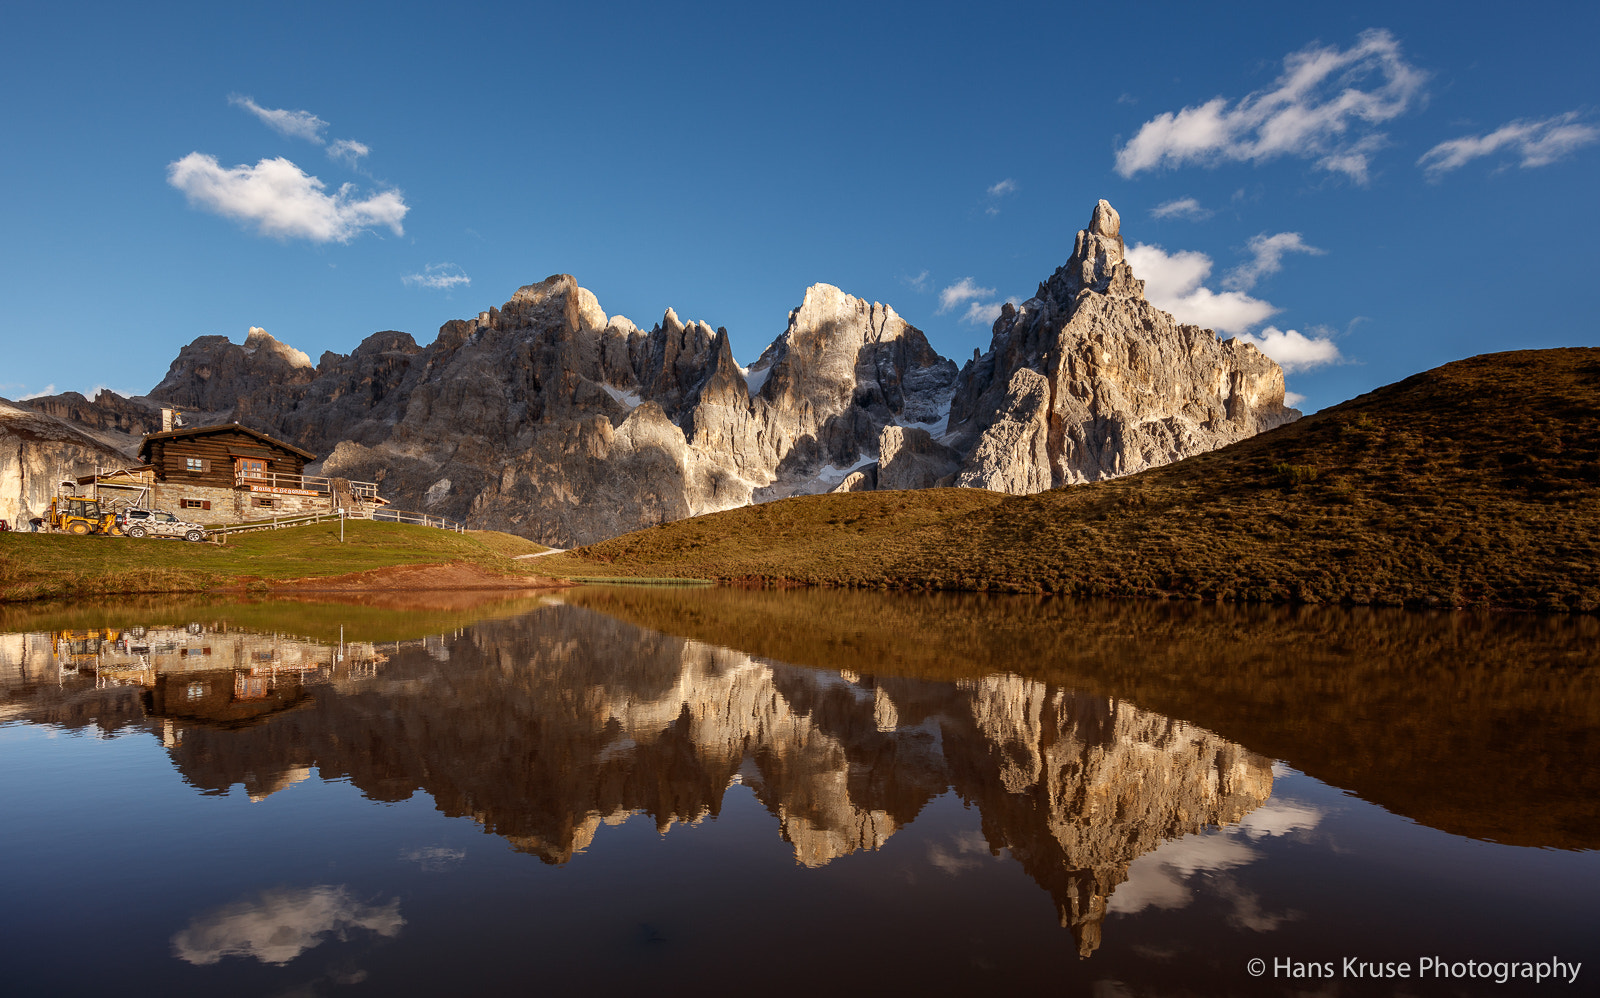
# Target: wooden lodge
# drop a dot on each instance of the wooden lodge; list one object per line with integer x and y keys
{"x": 226, "y": 474}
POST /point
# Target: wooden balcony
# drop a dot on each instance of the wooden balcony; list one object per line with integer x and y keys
{"x": 273, "y": 483}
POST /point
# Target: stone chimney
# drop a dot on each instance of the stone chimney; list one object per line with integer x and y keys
{"x": 169, "y": 418}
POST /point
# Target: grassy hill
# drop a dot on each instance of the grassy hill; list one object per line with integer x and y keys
{"x": 45, "y": 566}
{"x": 1474, "y": 484}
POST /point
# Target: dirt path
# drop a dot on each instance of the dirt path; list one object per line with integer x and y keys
{"x": 539, "y": 554}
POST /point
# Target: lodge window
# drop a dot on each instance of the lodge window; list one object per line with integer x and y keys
{"x": 266, "y": 501}
{"x": 195, "y": 464}
{"x": 250, "y": 467}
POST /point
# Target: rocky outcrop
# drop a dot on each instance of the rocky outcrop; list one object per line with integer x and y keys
{"x": 909, "y": 458}
{"x": 212, "y": 373}
{"x": 37, "y": 453}
{"x": 1086, "y": 380}
{"x": 550, "y": 419}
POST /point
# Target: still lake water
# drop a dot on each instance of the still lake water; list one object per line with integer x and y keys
{"x": 628, "y": 790}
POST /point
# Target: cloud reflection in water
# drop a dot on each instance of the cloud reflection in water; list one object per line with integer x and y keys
{"x": 280, "y": 924}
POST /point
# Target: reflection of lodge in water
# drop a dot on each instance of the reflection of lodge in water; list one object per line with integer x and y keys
{"x": 589, "y": 720}
{"x": 201, "y": 673}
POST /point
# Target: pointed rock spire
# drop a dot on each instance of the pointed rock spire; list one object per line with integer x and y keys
{"x": 1097, "y": 262}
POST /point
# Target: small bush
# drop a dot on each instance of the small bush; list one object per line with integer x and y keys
{"x": 1292, "y": 476}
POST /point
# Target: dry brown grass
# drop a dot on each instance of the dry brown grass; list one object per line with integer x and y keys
{"x": 1474, "y": 484}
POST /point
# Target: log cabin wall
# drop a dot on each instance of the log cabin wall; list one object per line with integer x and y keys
{"x": 194, "y": 474}
{"x": 216, "y": 452}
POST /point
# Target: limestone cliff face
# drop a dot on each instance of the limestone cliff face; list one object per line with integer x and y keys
{"x": 550, "y": 419}
{"x": 37, "y": 453}
{"x": 1086, "y": 380}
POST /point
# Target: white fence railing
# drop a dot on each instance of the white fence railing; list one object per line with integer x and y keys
{"x": 425, "y": 519}
{"x": 225, "y": 530}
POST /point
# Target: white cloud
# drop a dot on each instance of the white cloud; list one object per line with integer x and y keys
{"x": 1293, "y": 399}
{"x": 1157, "y": 879}
{"x": 1280, "y": 817}
{"x": 1316, "y": 109}
{"x": 960, "y": 291}
{"x": 294, "y": 124}
{"x": 435, "y": 859}
{"x": 1267, "y": 258}
{"x": 1294, "y": 351}
{"x": 967, "y": 851}
{"x": 1538, "y": 143}
{"x": 1187, "y": 208}
{"x": 284, "y": 201}
{"x": 918, "y": 283}
{"x": 440, "y": 276}
{"x": 982, "y": 313}
{"x": 281, "y": 924}
{"x": 347, "y": 151}
{"x": 1173, "y": 282}
{"x": 1003, "y": 188}
{"x": 49, "y": 389}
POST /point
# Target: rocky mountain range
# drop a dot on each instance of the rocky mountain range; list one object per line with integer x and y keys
{"x": 549, "y": 419}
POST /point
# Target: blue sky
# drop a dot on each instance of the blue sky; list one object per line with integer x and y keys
{"x": 1399, "y": 185}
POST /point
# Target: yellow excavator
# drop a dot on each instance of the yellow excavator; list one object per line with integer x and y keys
{"x": 76, "y": 515}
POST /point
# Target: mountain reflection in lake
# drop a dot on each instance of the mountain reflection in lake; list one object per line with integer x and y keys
{"x": 1120, "y": 756}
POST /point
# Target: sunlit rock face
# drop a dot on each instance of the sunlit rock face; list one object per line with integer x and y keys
{"x": 550, "y": 419}
{"x": 37, "y": 453}
{"x": 1086, "y": 380}
{"x": 589, "y": 720}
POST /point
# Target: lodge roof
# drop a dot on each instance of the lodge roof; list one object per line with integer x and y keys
{"x": 190, "y": 432}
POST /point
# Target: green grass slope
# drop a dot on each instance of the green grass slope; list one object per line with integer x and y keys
{"x": 46, "y": 566}
{"x": 1474, "y": 484}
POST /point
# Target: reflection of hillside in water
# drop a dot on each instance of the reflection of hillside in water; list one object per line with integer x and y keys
{"x": 1479, "y": 724}
{"x": 545, "y": 728}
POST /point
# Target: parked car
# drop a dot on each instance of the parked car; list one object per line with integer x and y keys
{"x": 158, "y": 523}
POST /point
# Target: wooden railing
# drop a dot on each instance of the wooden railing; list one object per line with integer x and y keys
{"x": 304, "y": 483}
{"x": 425, "y": 519}
{"x": 225, "y": 530}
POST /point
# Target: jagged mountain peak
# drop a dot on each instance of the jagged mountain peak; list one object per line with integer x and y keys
{"x": 258, "y": 340}
{"x": 1098, "y": 263}
{"x": 1088, "y": 380}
